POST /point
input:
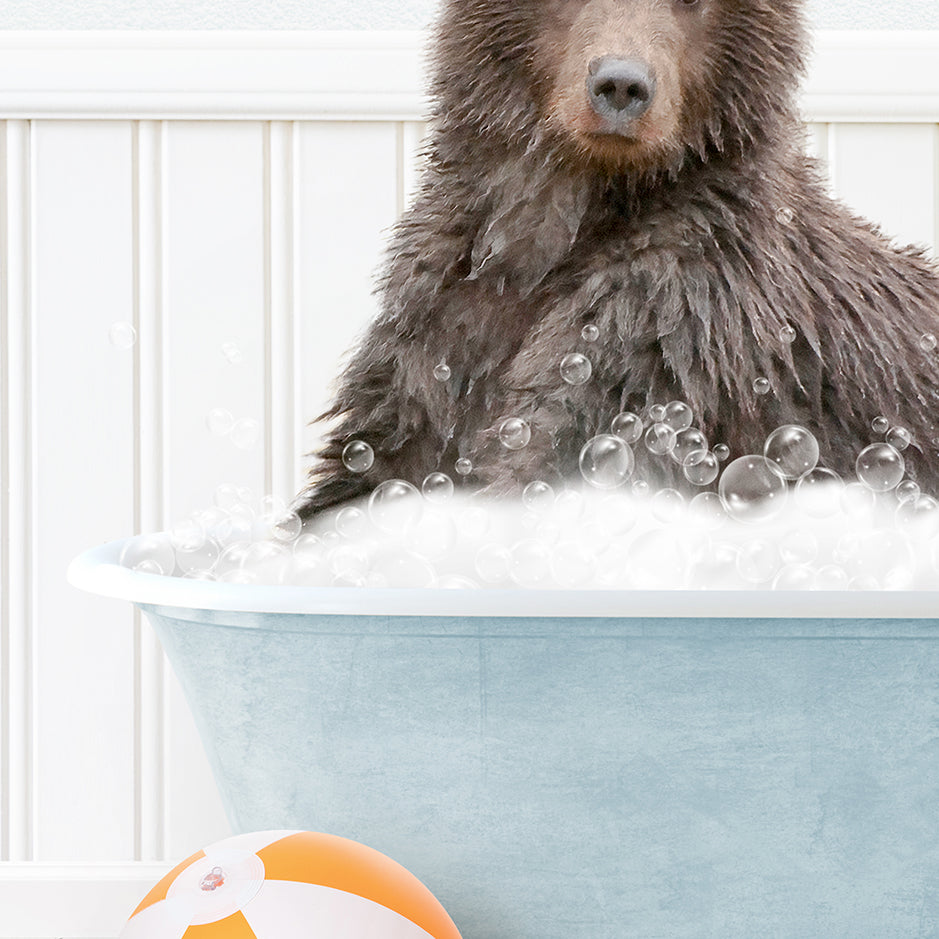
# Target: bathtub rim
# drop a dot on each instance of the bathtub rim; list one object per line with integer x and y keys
{"x": 98, "y": 571}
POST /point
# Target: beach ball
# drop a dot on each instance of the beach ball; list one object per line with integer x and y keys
{"x": 289, "y": 885}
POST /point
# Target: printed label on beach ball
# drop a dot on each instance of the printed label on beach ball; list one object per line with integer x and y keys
{"x": 289, "y": 885}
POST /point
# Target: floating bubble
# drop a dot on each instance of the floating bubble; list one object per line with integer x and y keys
{"x": 920, "y": 516}
{"x": 590, "y": 333}
{"x": 245, "y": 433}
{"x": 787, "y": 334}
{"x": 640, "y": 488}
{"x": 514, "y": 433}
{"x": 880, "y": 467}
{"x": 701, "y": 468}
{"x": 831, "y": 577}
{"x": 188, "y": 534}
{"x": 122, "y": 335}
{"x": 569, "y": 507}
{"x": 791, "y": 451}
{"x": 818, "y": 492}
{"x": 149, "y": 554}
{"x": 442, "y": 371}
{"x": 606, "y": 461}
{"x": 678, "y": 415}
{"x": 492, "y": 563}
{"x": 798, "y": 546}
{"x": 899, "y": 438}
{"x": 267, "y": 561}
{"x": 437, "y": 487}
{"x": 463, "y": 466}
{"x": 351, "y": 522}
{"x": 785, "y": 215}
{"x": 572, "y": 565}
{"x": 657, "y": 413}
{"x": 880, "y": 425}
{"x": 627, "y": 426}
{"x": 707, "y": 511}
{"x": 404, "y": 569}
{"x": 761, "y": 386}
{"x": 220, "y": 422}
{"x": 394, "y": 505}
{"x": 857, "y": 501}
{"x": 660, "y": 438}
{"x": 232, "y": 352}
{"x": 358, "y": 456}
{"x": 751, "y": 490}
{"x": 530, "y": 563}
{"x": 721, "y": 451}
{"x": 474, "y": 522}
{"x": 795, "y": 577}
{"x": 576, "y": 368}
{"x": 538, "y": 495}
{"x": 928, "y": 342}
{"x": 668, "y": 505}
{"x": 688, "y": 442}
{"x": 758, "y": 561}
{"x": 907, "y": 491}
{"x": 199, "y": 559}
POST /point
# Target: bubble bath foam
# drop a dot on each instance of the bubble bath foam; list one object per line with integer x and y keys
{"x": 582, "y": 764}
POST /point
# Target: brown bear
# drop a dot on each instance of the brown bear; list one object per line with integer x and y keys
{"x": 637, "y": 167}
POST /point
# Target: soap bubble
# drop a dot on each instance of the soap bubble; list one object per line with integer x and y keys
{"x": 266, "y": 560}
{"x": 640, "y": 488}
{"x": 658, "y": 560}
{"x": 220, "y": 422}
{"x": 857, "y": 501}
{"x": 590, "y": 333}
{"x": 198, "y": 559}
{"x": 787, "y": 334}
{"x": 394, "y": 505}
{"x": 576, "y": 368}
{"x": 928, "y": 342}
{"x": 721, "y": 451}
{"x": 880, "y": 425}
{"x": 530, "y": 563}
{"x": 668, "y": 505}
{"x": 627, "y": 426}
{"x": 818, "y": 492}
{"x": 758, "y": 561}
{"x": 538, "y": 495}
{"x": 795, "y": 577}
{"x": 657, "y": 413}
{"x": 880, "y": 467}
{"x": 751, "y": 491}
{"x": 660, "y": 438}
{"x": 514, "y": 433}
{"x": 149, "y": 554}
{"x": 188, "y": 534}
{"x": 492, "y": 563}
{"x": 707, "y": 511}
{"x": 571, "y": 565}
{"x": 831, "y": 577}
{"x": 404, "y": 569}
{"x": 441, "y": 371}
{"x": 606, "y": 461}
{"x": 899, "y": 438}
{"x": 700, "y": 468}
{"x": 437, "y": 487}
{"x": 907, "y": 490}
{"x": 463, "y": 466}
{"x": 920, "y": 516}
{"x": 798, "y": 546}
{"x": 785, "y": 215}
{"x": 688, "y": 442}
{"x": 791, "y": 451}
{"x": 358, "y": 456}
{"x": 351, "y": 522}
{"x": 569, "y": 507}
{"x": 433, "y": 535}
{"x": 232, "y": 352}
{"x": 678, "y": 415}
{"x": 245, "y": 433}
{"x": 761, "y": 385}
{"x": 122, "y": 335}
{"x": 617, "y": 515}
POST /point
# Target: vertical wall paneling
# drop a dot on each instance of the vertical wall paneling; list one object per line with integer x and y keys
{"x": 83, "y": 431}
{"x": 888, "y": 173}
{"x": 16, "y": 590}
{"x": 349, "y": 200}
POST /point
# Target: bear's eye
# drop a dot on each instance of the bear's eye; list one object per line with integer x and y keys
{"x": 687, "y": 3}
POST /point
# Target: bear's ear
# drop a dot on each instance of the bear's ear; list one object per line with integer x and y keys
{"x": 531, "y": 224}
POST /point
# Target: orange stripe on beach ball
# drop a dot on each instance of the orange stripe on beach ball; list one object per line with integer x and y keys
{"x": 330, "y": 861}
{"x": 159, "y": 891}
{"x": 232, "y": 927}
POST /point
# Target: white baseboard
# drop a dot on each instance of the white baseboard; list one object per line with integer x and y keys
{"x": 72, "y": 901}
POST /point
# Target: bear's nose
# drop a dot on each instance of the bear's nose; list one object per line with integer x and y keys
{"x": 620, "y": 90}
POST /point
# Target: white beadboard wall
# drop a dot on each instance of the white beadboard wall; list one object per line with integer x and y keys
{"x": 210, "y": 188}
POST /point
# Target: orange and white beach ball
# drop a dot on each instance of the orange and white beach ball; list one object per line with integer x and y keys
{"x": 289, "y": 885}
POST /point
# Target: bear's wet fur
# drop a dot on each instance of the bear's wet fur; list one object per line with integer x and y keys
{"x": 689, "y": 227}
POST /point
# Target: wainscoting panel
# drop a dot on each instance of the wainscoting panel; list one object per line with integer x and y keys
{"x": 189, "y": 231}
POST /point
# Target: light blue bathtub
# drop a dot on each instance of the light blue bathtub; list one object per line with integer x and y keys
{"x": 583, "y": 766}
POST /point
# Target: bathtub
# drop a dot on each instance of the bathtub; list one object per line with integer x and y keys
{"x": 572, "y": 765}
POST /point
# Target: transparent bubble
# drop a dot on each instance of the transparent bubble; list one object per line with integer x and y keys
{"x": 640, "y": 488}
{"x": 899, "y": 438}
{"x": 530, "y": 564}
{"x": 798, "y": 546}
{"x": 606, "y": 461}
{"x": 721, "y": 451}
{"x": 285, "y": 527}
{"x": 245, "y": 433}
{"x": 907, "y": 491}
{"x": 920, "y": 516}
{"x": 267, "y": 560}
{"x": 750, "y": 490}
{"x": 831, "y": 577}
{"x": 404, "y": 569}
{"x": 787, "y": 334}
{"x": 785, "y": 215}
{"x": 442, "y": 371}
{"x": 238, "y": 576}
{"x": 928, "y": 342}
{"x": 220, "y": 422}
{"x": 149, "y": 554}
{"x": 232, "y": 352}
{"x": 474, "y": 523}
{"x": 857, "y": 501}
{"x": 701, "y": 468}
{"x": 758, "y": 561}
{"x": 394, "y": 505}
{"x": 880, "y": 467}
{"x": 818, "y": 492}
{"x": 187, "y": 534}
{"x": 688, "y": 442}
{"x": 678, "y": 415}
{"x": 761, "y": 386}
{"x": 794, "y": 577}
{"x": 537, "y": 496}
{"x": 707, "y": 511}
{"x": 351, "y": 522}
{"x": 576, "y": 368}
{"x": 463, "y": 466}
{"x": 569, "y": 507}
{"x": 880, "y": 425}
{"x": 198, "y": 559}
{"x": 437, "y": 487}
{"x": 358, "y": 456}
{"x": 122, "y": 335}
{"x": 572, "y": 565}
{"x": 668, "y": 505}
{"x": 660, "y": 438}
{"x": 590, "y": 333}
{"x": 492, "y": 563}
{"x": 627, "y": 426}
{"x": 791, "y": 451}
{"x": 657, "y": 413}
{"x": 514, "y": 433}
{"x": 882, "y": 554}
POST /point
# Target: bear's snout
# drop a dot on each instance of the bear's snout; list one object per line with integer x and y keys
{"x": 619, "y": 90}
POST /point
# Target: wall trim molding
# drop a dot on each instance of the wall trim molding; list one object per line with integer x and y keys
{"x": 371, "y": 75}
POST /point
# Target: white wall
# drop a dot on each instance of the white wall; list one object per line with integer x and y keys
{"x": 367, "y": 14}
